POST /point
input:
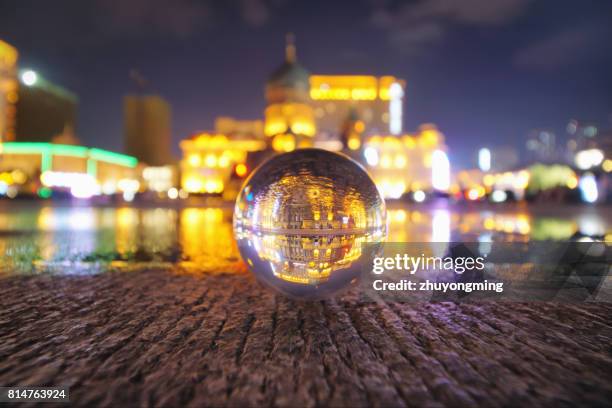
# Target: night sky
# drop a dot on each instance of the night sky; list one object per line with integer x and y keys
{"x": 485, "y": 71}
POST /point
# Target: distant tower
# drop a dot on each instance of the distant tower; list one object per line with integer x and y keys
{"x": 147, "y": 121}
{"x": 289, "y": 117}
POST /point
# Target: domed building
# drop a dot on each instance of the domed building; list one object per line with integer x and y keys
{"x": 289, "y": 116}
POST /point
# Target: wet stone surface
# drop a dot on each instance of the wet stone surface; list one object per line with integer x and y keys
{"x": 160, "y": 338}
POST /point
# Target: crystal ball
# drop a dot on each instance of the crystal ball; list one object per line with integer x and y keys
{"x": 301, "y": 221}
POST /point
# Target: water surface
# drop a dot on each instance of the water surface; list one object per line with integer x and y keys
{"x": 69, "y": 239}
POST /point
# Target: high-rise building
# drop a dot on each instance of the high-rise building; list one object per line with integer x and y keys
{"x": 8, "y": 91}
{"x": 147, "y": 129}
{"x": 44, "y": 110}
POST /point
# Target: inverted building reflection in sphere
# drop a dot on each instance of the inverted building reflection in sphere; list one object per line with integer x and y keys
{"x": 301, "y": 219}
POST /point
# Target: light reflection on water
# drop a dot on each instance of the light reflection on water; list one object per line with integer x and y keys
{"x": 83, "y": 239}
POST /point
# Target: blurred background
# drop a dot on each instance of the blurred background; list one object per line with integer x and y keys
{"x": 126, "y": 121}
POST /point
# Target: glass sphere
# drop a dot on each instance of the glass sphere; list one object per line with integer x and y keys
{"x": 301, "y": 218}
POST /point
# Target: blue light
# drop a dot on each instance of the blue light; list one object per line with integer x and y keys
{"x": 588, "y": 188}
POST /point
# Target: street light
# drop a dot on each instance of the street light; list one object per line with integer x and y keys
{"x": 29, "y": 77}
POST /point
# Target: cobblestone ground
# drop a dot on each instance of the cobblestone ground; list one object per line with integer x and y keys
{"x": 161, "y": 338}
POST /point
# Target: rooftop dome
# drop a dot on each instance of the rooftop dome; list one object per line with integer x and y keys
{"x": 290, "y": 74}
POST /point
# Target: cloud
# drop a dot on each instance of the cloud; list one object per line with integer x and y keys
{"x": 561, "y": 49}
{"x": 415, "y": 26}
{"x": 412, "y": 40}
{"x": 476, "y": 12}
{"x": 178, "y": 18}
{"x": 254, "y": 12}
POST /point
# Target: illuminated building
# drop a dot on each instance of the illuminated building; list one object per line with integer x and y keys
{"x": 540, "y": 177}
{"x": 210, "y": 160}
{"x": 408, "y": 163}
{"x": 309, "y": 260}
{"x": 159, "y": 179}
{"x": 44, "y": 110}
{"x": 300, "y": 105}
{"x": 8, "y": 91}
{"x": 240, "y": 129}
{"x": 517, "y": 185}
{"x": 147, "y": 129}
{"x": 83, "y": 171}
{"x": 377, "y": 101}
{"x": 289, "y": 117}
{"x": 332, "y": 112}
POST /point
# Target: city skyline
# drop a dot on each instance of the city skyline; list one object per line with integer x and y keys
{"x": 545, "y": 64}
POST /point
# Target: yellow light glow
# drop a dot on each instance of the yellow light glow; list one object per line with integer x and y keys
{"x": 400, "y": 161}
{"x": 241, "y": 170}
{"x": 409, "y": 142}
{"x": 283, "y": 143}
{"x": 354, "y": 143}
{"x": 385, "y": 162}
{"x": 213, "y": 186}
{"x": 192, "y": 185}
{"x": 8, "y": 54}
{"x": 475, "y": 193}
{"x": 128, "y": 185}
{"x": 195, "y": 160}
{"x": 399, "y": 215}
{"x": 359, "y": 126}
{"x": 280, "y": 118}
{"x": 522, "y": 180}
{"x": 572, "y": 182}
{"x": 391, "y": 142}
{"x": 351, "y": 87}
{"x": 6, "y": 178}
{"x": 429, "y": 138}
{"x": 607, "y": 165}
{"x": 522, "y": 224}
{"x": 224, "y": 161}
{"x": 211, "y": 160}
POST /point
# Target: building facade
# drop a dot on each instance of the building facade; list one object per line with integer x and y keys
{"x": 408, "y": 163}
{"x": 211, "y": 160}
{"x": 289, "y": 117}
{"x": 359, "y": 114}
{"x": 147, "y": 121}
{"x": 83, "y": 172}
{"x": 306, "y": 110}
{"x": 8, "y": 91}
{"x": 44, "y": 110}
{"x": 377, "y": 102}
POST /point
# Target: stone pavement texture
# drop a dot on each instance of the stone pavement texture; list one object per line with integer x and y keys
{"x": 161, "y": 338}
